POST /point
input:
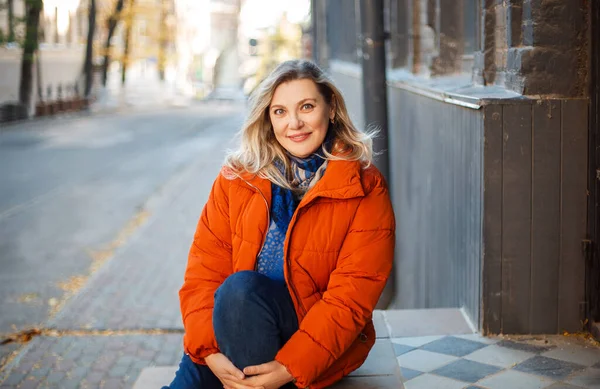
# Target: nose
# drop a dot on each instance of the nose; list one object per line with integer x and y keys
{"x": 295, "y": 122}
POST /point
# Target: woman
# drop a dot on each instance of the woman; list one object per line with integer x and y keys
{"x": 293, "y": 247}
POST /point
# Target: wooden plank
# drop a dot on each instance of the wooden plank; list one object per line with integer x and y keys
{"x": 516, "y": 218}
{"x": 571, "y": 293}
{"x": 475, "y": 180}
{"x": 545, "y": 228}
{"x": 492, "y": 220}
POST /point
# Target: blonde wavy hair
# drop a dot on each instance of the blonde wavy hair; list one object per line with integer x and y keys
{"x": 259, "y": 148}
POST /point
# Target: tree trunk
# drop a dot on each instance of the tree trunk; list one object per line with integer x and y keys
{"x": 11, "y": 21}
{"x": 112, "y": 25}
{"x": 125, "y": 60}
{"x": 56, "y": 34}
{"x": 38, "y": 71}
{"x": 89, "y": 51}
{"x": 32, "y": 22}
{"x": 162, "y": 46}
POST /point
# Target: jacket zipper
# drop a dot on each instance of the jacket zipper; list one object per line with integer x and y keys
{"x": 287, "y": 263}
{"x": 268, "y": 221}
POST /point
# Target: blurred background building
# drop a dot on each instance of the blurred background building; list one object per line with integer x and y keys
{"x": 155, "y": 48}
{"x": 63, "y": 30}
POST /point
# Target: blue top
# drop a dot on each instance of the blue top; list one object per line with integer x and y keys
{"x": 283, "y": 205}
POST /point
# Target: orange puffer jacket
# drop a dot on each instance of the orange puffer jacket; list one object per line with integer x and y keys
{"x": 338, "y": 255}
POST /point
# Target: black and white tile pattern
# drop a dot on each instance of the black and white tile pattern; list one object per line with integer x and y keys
{"x": 475, "y": 362}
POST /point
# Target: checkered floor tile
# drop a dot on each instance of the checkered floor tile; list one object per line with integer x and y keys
{"x": 474, "y": 362}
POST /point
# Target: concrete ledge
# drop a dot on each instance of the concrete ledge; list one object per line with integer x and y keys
{"x": 155, "y": 377}
{"x": 381, "y": 330}
{"x": 425, "y": 322}
{"x": 380, "y": 371}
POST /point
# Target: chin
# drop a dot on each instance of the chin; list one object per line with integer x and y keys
{"x": 301, "y": 152}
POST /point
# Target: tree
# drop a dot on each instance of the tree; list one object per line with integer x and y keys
{"x": 33, "y": 9}
{"x": 89, "y": 52}
{"x": 112, "y": 25}
{"x": 125, "y": 58}
{"x": 11, "y": 20}
{"x": 163, "y": 41}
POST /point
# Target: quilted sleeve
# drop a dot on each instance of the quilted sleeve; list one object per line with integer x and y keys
{"x": 209, "y": 264}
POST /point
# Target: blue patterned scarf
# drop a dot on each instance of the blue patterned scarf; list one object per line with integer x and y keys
{"x": 302, "y": 177}
{"x": 303, "y": 174}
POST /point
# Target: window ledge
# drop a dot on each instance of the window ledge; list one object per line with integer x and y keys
{"x": 454, "y": 89}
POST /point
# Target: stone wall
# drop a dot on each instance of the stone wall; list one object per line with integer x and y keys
{"x": 527, "y": 43}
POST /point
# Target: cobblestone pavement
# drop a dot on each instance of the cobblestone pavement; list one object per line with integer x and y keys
{"x": 127, "y": 315}
{"x": 6, "y": 351}
{"x": 108, "y": 362}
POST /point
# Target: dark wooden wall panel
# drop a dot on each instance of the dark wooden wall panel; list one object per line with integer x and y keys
{"x": 571, "y": 292}
{"x": 516, "y": 218}
{"x": 492, "y": 220}
{"x": 545, "y": 226}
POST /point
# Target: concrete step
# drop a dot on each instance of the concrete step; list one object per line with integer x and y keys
{"x": 380, "y": 371}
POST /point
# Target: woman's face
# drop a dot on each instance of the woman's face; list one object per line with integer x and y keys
{"x": 300, "y": 117}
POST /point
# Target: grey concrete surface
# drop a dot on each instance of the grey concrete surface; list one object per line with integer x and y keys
{"x": 110, "y": 202}
{"x": 73, "y": 192}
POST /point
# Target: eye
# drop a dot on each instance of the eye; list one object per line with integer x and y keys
{"x": 278, "y": 111}
{"x": 307, "y": 106}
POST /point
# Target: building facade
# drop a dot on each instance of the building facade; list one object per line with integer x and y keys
{"x": 63, "y": 31}
{"x": 492, "y": 111}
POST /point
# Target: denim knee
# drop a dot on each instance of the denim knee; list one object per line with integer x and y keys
{"x": 238, "y": 288}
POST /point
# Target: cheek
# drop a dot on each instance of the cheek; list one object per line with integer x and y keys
{"x": 277, "y": 127}
{"x": 320, "y": 122}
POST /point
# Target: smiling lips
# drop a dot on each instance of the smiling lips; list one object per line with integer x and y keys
{"x": 299, "y": 137}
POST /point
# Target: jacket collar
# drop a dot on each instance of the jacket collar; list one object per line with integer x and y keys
{"x": 340, "y": 181}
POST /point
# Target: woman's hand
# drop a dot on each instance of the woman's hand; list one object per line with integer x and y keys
{"x": 271, "y": 375}
{"x": 230, "y": 376}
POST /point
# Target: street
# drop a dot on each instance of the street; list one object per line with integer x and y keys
{"x": 97, "y": 215}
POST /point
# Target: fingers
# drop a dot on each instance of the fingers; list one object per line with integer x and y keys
{"x": 255, "y": 382}
{"x": 229, "y": 384}
{"x": 235, "y": 372}
{"x": 231, "y": 378}
{"x": 258, "y": 369}
{"x": 227, "y": 367}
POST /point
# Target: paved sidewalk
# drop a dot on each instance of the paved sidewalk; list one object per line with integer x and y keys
{"x": 104, "y": 361}
{"x": 143, "y": 90}
{"x": 127, "y": 316}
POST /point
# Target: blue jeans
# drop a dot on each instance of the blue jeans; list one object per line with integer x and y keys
{"x": 253, "y": 318}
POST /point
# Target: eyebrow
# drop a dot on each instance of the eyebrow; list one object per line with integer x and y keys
{"x": 299, "y": 103}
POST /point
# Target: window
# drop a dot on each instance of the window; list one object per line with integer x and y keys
{"x": 341, "y": 30}
{"x": 397, "y": 19}
{"x": 433, "y": 37}
{"x": 471, "y": 26}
